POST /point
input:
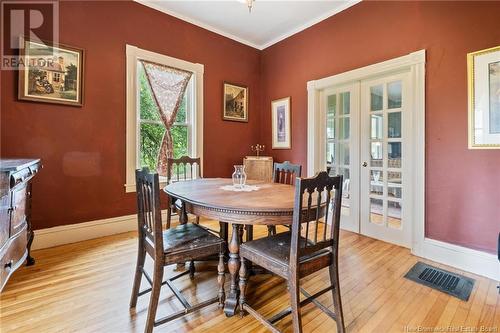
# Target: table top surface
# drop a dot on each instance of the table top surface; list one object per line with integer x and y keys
{"x": 270, "y": 197}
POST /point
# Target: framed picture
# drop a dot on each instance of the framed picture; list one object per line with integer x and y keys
{"x": 484, "y": 98}
{"x": 235, "y": 105}
{"x": 280, "y": 113}
{"x": 51, "y": 73}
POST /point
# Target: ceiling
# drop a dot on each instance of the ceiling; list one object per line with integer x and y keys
{"x": 268, "y": 23}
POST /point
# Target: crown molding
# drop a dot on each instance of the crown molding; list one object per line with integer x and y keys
{"x": 154, "y": 4}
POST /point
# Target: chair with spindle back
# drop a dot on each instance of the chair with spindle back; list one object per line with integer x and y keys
{"x": 284, "y": 173}
{"x": 181, "y": 169}
{"x": 312, "y": 245}
{"x": 186, "y": 242}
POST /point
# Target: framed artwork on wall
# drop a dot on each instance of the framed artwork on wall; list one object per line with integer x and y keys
{"x": 235, "y": 102}
{"x": 281, "y": 123}
{"x": 51, "y": 73}
{"x": 484, "y": 98}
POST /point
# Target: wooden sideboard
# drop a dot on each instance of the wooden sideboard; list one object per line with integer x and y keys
{"x": 16, "y": 234}
{"x": 259, "y": 168}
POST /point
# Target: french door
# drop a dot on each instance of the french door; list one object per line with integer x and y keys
{"x": 367, "y": 141}
{"x": 341, "y": 110}
{"x": 385, "y": 159}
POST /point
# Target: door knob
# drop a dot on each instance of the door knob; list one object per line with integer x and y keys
{"x": 365, "y": 164}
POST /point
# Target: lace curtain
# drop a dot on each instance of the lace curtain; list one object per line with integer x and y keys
{"x": 168, "y": 86}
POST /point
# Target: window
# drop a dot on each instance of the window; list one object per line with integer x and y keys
{"x": 57, "y": 77}
{"x": 145, "y": 129}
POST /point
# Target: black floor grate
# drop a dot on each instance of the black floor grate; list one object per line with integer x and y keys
{"x": 450, "y": 283}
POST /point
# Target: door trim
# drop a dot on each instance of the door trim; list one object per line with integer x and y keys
{"x": 415, "y": 63}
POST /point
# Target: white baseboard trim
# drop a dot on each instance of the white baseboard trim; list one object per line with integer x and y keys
{"x": 72, "y": 233}
{"x": 476, "y": 262}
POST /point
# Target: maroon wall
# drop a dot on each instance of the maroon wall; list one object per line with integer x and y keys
{"x": 462, "y": 186}
{"x": 83, "y": 149}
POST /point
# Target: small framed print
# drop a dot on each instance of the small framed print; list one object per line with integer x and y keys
{"x": 281, "y": 122}
{"x": 484, "y": 98}
{"x": 235, "y": 105}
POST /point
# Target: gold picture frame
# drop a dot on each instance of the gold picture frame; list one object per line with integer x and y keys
{"x": 483, "y": 73}
{"x": 52, "y": 73}
{"x": 234, "y": 102}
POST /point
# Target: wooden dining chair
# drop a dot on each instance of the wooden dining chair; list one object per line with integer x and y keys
{"x": 284, "y": 173}
{"x": 311, "y": 245}
{"x": 181, "y": 169}
{"x": 186, "y": 242}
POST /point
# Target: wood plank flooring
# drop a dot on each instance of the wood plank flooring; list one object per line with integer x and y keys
{"x": 85, "y": 287}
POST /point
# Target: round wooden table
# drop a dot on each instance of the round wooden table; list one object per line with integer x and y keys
{"x": 271, "y": 204}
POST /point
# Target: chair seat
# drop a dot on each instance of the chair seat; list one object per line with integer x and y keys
{"x": 189, "y": 239}
{"x": 273, "y": 253}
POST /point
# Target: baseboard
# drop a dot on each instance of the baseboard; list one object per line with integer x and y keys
{"x": 477, "y": 262}
{"x": 72, "y": 233}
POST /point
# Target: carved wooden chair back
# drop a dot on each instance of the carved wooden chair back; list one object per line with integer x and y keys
{"x": 183, "y": 168}
{"x": 314, "y": 196}
{"x": 286, "y": 172}
{"x": 149, "y": 209}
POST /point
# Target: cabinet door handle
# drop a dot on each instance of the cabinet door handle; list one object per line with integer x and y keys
{"x": 9, "y": 264}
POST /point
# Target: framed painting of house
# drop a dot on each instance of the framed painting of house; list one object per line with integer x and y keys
{"x": 484, "y": 98}
{"x": 51, "y": 73}
{"x": 235, "y": 102}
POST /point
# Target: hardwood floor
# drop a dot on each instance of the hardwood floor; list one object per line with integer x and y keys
{"x": 85, "y": 287}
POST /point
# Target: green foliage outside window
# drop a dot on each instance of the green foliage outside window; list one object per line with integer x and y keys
{"x": 152, "y": 129}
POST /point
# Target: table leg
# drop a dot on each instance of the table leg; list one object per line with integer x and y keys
{"x": 183, "y": 219}
{"x": 233, "y": 267}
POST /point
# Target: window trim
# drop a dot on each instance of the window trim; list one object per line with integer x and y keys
{"x": 134, "y": 54}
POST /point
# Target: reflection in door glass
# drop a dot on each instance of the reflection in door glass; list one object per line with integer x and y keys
{"x": 394, "y": 128}
{"x": 376, "y": 182}
{"x": 344, "y": 103}
{"x": 376, "y": 98}
{"x": 394, "y": 187}
{"x": 394, "y": 214}
{"x": 394, "y": 95}
{"x": 376, "y": 211}
{"x": 346, "y": 191}
{"x": 394, "y": 154}
{"x": 376, "y": 126}
{"x": 376, "y": 154}
{"x": 330, "y": 153}
{"x": 344, "y": 153}
{"x": 332, "y": 104}
{"x": 344, "y": 128}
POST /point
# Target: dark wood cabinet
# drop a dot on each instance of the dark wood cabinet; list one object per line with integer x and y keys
{"x": 16, "y": 234}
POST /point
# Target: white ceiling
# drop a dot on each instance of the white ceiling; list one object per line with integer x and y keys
{"x": 268, "y": 23}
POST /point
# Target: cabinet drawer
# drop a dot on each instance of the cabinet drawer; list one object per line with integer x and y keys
{"x": 18, "y": 210}
{"x": 13, "y": 256}
{"x": 4, "y": 219}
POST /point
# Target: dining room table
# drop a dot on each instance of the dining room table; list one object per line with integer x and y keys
{"x": 257, "y": 203}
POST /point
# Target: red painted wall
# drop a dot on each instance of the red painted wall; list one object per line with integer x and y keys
{"x": 462, "y": 186}
{"x": 83, "y": 149}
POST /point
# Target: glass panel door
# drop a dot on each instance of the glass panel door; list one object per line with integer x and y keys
{"x": 384, "y": 144}
{"x": 341, "y": 107}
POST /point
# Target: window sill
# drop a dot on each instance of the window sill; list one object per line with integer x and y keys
{"x": 129, "y": 188}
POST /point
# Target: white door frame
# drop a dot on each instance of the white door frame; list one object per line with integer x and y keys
{"x": 415, "y": 63}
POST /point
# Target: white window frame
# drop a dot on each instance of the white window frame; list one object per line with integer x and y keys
{"x": 195, "y": 119}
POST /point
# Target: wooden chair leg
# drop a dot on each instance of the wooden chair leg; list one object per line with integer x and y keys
{"x": 221, "y": 278}
{"x": 192, "y": 269}
{"x": 295, "y": 304}
{"x": 197, "y": 221}
{"x": 155, "y": 295}
{"x": 337, "y": 302}
{"x": 243, "y": 284}
{"x": 141, "y": 257}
